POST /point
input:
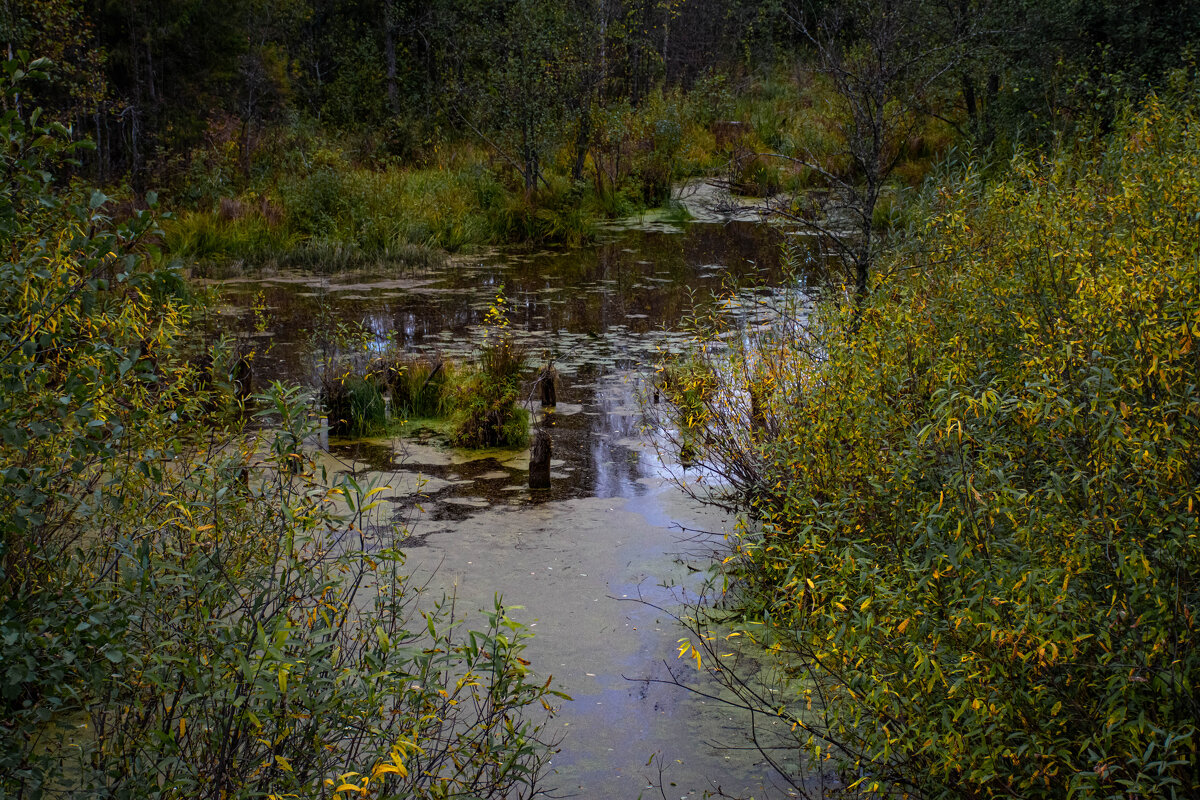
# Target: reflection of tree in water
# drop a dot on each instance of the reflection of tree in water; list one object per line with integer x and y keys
{"x": 651, "y": 276}
{"x": 602, "y": 311}
{"x": 617, "y": 467}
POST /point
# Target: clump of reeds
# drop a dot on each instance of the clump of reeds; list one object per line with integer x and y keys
{"x": 421, "y": 387}
{"x": 353, "y": 404}
{"x": 489, "y": 410}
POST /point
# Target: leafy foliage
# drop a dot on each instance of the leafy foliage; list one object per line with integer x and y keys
{"x": 188, "y": 609}
{"x": 489, "y": 412}
{"x": 973, "y": 526}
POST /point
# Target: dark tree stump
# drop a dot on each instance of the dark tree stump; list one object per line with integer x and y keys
{"x": 539, "y": 461}
{"x": 546, "y": 384}
{"x": 687, "y": 454}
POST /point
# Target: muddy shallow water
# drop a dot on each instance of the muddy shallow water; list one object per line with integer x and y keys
{"x": 612, "y": 529}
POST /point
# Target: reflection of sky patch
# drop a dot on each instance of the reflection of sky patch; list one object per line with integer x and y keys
{"x": 381, "y": 334}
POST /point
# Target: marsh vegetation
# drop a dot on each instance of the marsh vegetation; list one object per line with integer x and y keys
{"x": 957, "y": 426}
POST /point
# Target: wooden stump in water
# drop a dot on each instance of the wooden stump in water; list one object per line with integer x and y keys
{"x": 539, "y": 461}
{"x": 687, "y": 454}
{"x": 546, "y": 383}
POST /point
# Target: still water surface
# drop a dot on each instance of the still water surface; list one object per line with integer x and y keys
{"x": 614, "y": 528}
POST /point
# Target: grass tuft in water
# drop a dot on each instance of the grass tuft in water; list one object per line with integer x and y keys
{"x": 421, "y": 387}
{"x": 354, "y": 405}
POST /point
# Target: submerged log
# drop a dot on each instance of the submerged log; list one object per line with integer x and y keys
{"x": 539, "y": 461}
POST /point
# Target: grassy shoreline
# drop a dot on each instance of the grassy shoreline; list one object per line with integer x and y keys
{"x": 310, "y": 202}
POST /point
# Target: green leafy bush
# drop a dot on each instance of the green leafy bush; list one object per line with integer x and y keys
{"x": 188, "y": 610}
{"x": 488, "y": 408}
{"x": 489, "y": 415}
{"x": 974, "y": 503}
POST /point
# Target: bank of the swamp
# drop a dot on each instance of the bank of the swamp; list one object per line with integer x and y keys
{"x": 313, "y": 201}
{"x": 972, "y": 532}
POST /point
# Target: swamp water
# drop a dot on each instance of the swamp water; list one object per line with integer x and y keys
{"x": 613, "y": 529}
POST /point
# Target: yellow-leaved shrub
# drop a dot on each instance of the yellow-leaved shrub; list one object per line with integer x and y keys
{"x": 975, "y": 501}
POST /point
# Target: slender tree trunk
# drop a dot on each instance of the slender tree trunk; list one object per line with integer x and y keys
{"x": 666, "y": 44}
{"x": 863, "y": 257}
{"x": 150, "y": 85}
{"x": 100, "y": 142}
{"x": 968, "y": 90}
{"x": 247, "y": 146}
{"x": 583, "y": 135}
{"x": 989, "y": 117}
{"x": 135, "y": 152}
{"x": 138, "y": 92}
{"x": 529, "y": 158}
{"x": 603, "y": 9}
{"x": 389, "y": 51}
{"x": 16, "y": 95}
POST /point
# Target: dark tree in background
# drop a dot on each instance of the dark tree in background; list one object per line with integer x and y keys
{"x": 152, "y": 80}
{"x": 890, "y": 63}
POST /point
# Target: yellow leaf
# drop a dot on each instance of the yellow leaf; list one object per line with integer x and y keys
{"x": 389, "y": 769}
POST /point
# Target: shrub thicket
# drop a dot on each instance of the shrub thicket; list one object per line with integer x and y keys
{"x": 974, "y": 528}
{"x": 189, "y": 612}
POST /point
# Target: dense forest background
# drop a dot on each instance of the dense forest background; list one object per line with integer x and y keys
{"x": 174, "y": 90}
